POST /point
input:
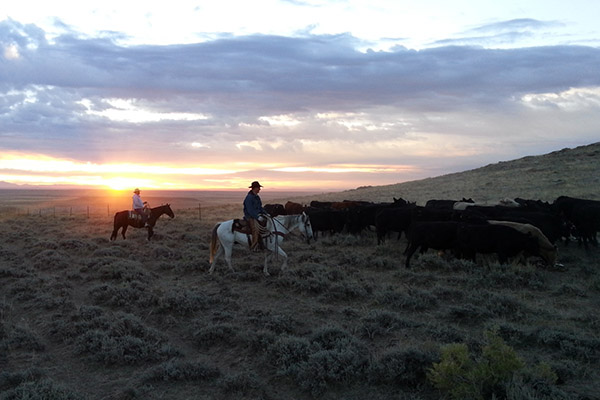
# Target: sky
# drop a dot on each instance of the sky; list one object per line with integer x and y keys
{"x": 298, "y": 94}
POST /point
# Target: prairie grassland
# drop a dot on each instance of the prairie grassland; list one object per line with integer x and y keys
{"x": 85, "y": 318}
{"x": 82, "y": 317}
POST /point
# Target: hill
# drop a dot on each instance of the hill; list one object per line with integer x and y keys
{"x": 574, "y": 172}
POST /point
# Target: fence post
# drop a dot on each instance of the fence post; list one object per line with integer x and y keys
{"x": 54, "y": 212}
{"x": 71, "y": 212}
{"x": 108, "y": 210}
{"x": 199, "y": 211}
{"x": 88, "y": 212}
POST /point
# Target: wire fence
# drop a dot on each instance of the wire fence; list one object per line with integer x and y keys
{"x": 86, "y": 211}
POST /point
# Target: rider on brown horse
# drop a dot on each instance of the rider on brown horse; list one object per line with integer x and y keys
{"x": 140, "y": 207}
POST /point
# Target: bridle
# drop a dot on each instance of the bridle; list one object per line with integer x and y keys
{"x": 305, "y": 224}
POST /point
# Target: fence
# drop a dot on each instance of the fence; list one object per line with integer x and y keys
{"x": 86, "y": 211}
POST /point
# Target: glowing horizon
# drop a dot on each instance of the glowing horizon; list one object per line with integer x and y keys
{"x": 40, "y": 170}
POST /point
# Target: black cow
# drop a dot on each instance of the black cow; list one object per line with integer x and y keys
{"x": 393, "y": 219}
{"x": 582, "y": 213}
{"x": 423, "y": 235}
{"x": 552, "y": 225}
{"x": 364, "y": 216}
{"x": 275, "y": 209}
{"x": 499, "y": 239}
{"x": 549, "y": 222}
{"x": 586, "y": 219}
{"x": 323, "y": 220}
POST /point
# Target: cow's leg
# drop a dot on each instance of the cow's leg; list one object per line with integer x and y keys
{"x": 410, "y": 250}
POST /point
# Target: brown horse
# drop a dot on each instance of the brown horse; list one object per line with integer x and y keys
{"x": 122, "y": 220}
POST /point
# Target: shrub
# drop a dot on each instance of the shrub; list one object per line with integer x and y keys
{"x": 117, "y": 338}
{"x": 288, "y": 352}
{"x": 173, "y": 370}
{"x": 410, "y": 299}
{"x": 216, "y": 333}
{"x": 402, "y": 367}
{"x": 346, "y": 291}
{"x": 19, "y": 338}
{"x": 245, "y": 383}
{"x": 461, "y": 376}
{"x": 43, "y": 389}
{"x": 468, "y": 313}
{"x": 9, "y": 380}
{"x": 183, "y": 302}
{"x": 127, "y": 294}
{"x": 278, "y": 323}
{"x": 330, "y": 356}
{"x": 378, "y": 323}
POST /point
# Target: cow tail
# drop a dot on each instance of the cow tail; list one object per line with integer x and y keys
{"x": 213, "y": 243}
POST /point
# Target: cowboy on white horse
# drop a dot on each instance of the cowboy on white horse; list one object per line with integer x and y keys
{"x": 253, "y": 213}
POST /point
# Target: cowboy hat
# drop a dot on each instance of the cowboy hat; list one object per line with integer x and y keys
{"x": 136, "y": 190}
{"x": 255, "y": 184}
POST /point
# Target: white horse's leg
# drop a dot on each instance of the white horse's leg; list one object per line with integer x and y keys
{"x": 217, "y": 255}
{"x": 265, "y": 269}
{"x": 226, "y": 240}
{"x": 285, "y": 258}
{"x": 275, "y": 248}
{"x": 228, "y": 251}
{"x": 269, "y": 245}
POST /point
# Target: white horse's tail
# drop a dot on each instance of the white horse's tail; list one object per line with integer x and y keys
{"x": 214, "y": 243}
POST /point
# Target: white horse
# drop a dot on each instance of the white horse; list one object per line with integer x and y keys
{"x": 224, "y": 237}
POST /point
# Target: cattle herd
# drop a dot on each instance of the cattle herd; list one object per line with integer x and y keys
{"x": 509, "y": 228}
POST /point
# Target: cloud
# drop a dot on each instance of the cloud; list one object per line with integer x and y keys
{"x": 311, "y": 101}
{"x": 503, "y": 33}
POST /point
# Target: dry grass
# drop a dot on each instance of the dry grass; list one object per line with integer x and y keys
{"x": 83, "y": 317}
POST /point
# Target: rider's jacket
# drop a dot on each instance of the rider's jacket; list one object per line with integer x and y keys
{"x": 253, "y": 206}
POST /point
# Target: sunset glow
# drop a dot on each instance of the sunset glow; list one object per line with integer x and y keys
{"x": 45, "y": 171}
{"x": 327, "y": 95}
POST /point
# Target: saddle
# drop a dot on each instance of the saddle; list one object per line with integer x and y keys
{"x": 242, "y": 226}
{"x": 135, "y": 218}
